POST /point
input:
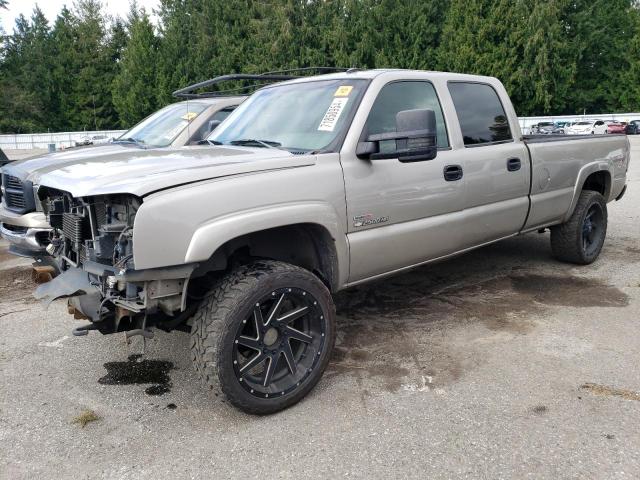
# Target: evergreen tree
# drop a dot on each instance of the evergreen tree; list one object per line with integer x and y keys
{"x": 134, "y": 87}
{"x": 65, "y": 68}
{"x": 630, "y": 79}
{"x": 92, "y": 108}
{"x": 27, "y": 93}
{"x": 600, "y": 32}
{"x": 547, "y": 67}
{"x": 175, "y": 55}
{"x": 554, "y": 56}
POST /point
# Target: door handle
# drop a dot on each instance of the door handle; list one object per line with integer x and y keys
{"x": 452, "y": 173}
{"x": 514, "y": 164}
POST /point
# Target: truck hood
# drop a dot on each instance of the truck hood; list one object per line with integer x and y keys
{"x": 33, "y": 168}
{"x": 141, "y": 172}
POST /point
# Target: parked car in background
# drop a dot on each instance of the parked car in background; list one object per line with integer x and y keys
{"x": 633, "y": 127}
{"x": 560, "y": 127}
{"x": 587, "y": 127}
{"x": 613, "y": 126}
{"x": 22, "y": 222}
{"x": 545, "y": 128}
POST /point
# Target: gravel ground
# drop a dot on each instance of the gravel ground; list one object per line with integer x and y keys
{"x": 501, "y": 363}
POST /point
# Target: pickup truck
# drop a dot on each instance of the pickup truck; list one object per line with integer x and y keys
{"x": 22, "y": 222}
{"x": 309, "y": 187}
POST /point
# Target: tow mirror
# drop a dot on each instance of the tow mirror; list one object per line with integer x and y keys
{"x": 415, "y": 139}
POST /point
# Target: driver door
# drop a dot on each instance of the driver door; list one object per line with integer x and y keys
{"x": 401, "y": 214}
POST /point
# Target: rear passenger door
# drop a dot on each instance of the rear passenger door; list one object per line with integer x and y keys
{"x": 496, "y": 166}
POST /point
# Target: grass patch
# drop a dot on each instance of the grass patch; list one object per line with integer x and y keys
{"x": 611, "y": 392}
{"x": 86, "y": 417}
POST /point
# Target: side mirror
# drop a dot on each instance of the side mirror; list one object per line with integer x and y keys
{"x": 202, "y": 138}
{"x": 213, "y": 124}
{"x": 415, "y": 138}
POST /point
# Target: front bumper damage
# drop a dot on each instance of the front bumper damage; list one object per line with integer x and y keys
{"x": 92, "y": 293}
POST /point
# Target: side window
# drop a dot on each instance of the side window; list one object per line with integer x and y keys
{"x": 480, "y": 112}
{"x": 398, "y": 96}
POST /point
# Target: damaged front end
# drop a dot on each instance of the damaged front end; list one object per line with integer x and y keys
{"x": 92, "y": 243}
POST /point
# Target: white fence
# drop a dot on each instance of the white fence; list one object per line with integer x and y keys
{"x": 68, "y": 139}
{"x": 32, "y": 141}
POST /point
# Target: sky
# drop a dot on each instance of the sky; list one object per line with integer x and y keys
{"x": 52, "y": 7}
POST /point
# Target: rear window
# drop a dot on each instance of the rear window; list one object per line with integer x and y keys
{"x": 480, "y": 112}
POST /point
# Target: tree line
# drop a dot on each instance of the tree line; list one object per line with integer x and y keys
{"x": 87, "y": 70}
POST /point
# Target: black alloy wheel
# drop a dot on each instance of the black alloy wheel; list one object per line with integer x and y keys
{"x": 592, "y": 229}
{"x": 264, "y": 336}
{"x": 280, "y": 343}
{"x": 580, "y": 239}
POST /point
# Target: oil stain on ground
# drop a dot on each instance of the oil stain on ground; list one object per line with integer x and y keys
{"x": 394, "y": 332}
{"x": 569, "y": 291}
{"x": 136, "y": 371}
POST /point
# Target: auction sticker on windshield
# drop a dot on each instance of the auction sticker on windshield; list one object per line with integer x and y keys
{"x": 343, "y": 91}
{"x": 332, "y": 116}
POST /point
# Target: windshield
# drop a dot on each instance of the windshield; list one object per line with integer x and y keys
{"x": 584, "y": 123}
{"x": 307, "y": 116}
{"x": 161, "y": 128}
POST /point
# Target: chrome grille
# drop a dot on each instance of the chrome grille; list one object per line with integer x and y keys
{"x": 14, "y": 200}
{"x": 12, "y": 182}
{"x": 13, "y": 194}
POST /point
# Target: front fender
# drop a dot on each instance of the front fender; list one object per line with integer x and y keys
{"x": 211, "y": 236}
{"x": 189, "y": 223}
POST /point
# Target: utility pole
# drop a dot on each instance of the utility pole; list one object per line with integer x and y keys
{"x": 95, "y": 121}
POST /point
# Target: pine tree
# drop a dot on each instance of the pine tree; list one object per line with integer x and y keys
{"x": 630, "y": 97}
{"x": 176, "y": 49}
{"x": 600, "y": 32}
{"x": 65, "y": 68}
{"x": 547, "y": 67}
{"x": 27, "y": 93}
{"x": 92, "y": 106}
{"x": 134, "y": 87}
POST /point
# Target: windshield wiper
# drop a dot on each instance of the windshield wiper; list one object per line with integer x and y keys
{"x": 136, "y": 141}
{"x": 251, "y": 141}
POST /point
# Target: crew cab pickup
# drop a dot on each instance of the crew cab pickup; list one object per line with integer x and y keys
{"x": 309, "y": 187}
{"x": 22, "y": 222}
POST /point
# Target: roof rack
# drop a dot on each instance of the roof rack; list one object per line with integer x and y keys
{"x": 262, "y": 78}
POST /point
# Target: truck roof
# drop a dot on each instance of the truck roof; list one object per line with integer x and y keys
{"x": 214, "y": 100}
{"x": 374, "y": 73}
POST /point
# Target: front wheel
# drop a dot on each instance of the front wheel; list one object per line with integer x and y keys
{"x": 581, "y": 238}
{"x": 264, "y": 336}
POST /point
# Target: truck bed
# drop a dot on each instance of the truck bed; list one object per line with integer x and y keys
{"x": 560, "y": 165}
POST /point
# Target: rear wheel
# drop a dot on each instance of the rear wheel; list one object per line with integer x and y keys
{"x": 265, "y": 336}
{"x": 581, "y": 238}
